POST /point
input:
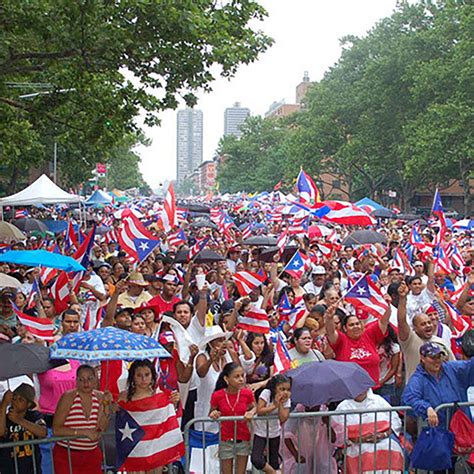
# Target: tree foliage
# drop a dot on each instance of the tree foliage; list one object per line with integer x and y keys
{"x": 79, "y": 73}
{"x": 392, "y": 114}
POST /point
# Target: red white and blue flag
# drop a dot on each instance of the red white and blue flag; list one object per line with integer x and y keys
{"x": 42, "y": 328}
{"x": 282, "y": 358}
{"x": 246, "y": 232}
{"x": 176, "y": 239}
{"x": 70, "y": 240}
{"x": 248, "y": 281}
{"x": 169, "y": 217}
{"x": 438, "y": 211}
{"x": 255, "y": 320}
{"x": 144, "y": 247}
{"x": 21, "y": 214}
{"x": 307, "y": 189}
{"x": 147, "y": 434}
{"x": 130, "y": 230}
{"x": 296, "y": 266}
{"x": 197, "y": 248}
{"x": 34, "y": 292}
{"x": 366, "y": 295}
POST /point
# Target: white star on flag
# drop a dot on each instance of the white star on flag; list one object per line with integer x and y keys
{"x": 127, "y": 432}
{"x": 360, "y": 290}
{"x": 144, "y": 246}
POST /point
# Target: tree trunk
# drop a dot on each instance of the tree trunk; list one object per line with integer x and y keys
{"x": 11, "y": 188}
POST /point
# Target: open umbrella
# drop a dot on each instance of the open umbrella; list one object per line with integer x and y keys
{"x": 41, "y": 258}
{"x": 360, "y": 237}
{"x": 28, "y": 224}
{"x": 260, "y": 241}
{"x": 24, "y": 359}
{"x": 203, "y": 223}
{"x": 383, "y": 213}
{"x": 267, "y": 254}
{"x": 107, "y": 344}
{"x": 6, "y": 281}
{"x": 328, "y": 381}
{"x": 204, "y": 256}
{"x": 10, "y": 233}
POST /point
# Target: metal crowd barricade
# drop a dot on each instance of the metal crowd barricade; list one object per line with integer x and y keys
{"x": 336, "y": 456}
{"x": 450, "y": 409}
{"x": 108, "y": 464}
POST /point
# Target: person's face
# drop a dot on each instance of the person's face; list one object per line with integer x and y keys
{"x": 395, "y": 276}
{"x": 274, "y": 319}
{"x": 28, "y": 338}
{"x": 331, "y": 297}
{"x": 416, "y": 287}
{"x": 123, "y": 320}
{"x": 138, "y": 325}
{"x": 337, "y": 284}
{"x": 183, "y": 315}
{"x": 468, "y": 308}
{"x": 236, "y": 379}
{"x": 6, "y": 306}
{"x": 254, "y": 267}
{"x": 434, "y": 318}
{"x": 432, "y": 364}
{"x": 220, "y": 345}
{"x": 86, "y": 381}
{"x": 148, "y": 316}
{"x": 169, "y": 289}
{"x": 143, "y": 378}
{"x": 258, "y": 344}
{"x": 423, "y": 326}
{"x": 19, "y": 404}
{"x": 104, "y": 273}
{"x": 295, "y": 282}
{"x": 311, "y": 303}
{"x": 319, "y": 318}
{"x": 118, "y": 269}
{"x": 418, "y": 269}
{"x": 134, "y": 290}
{"x": 285, "y": 388}
{"x": 70, "y": 324}
{"x": 20, "y": 300}
{"x": 49, "y": 309}
{"x": 318, "y": 280}
{"x": 354, "y": 328}
{"x": 303, "y": 344}
{"x": 337, "y": 322}
{"x": 234, "y": 256}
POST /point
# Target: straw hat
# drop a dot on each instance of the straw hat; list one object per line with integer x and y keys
{"x": 136, "y": 278}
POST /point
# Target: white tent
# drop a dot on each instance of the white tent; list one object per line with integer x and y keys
{"x": 42, "y": 191}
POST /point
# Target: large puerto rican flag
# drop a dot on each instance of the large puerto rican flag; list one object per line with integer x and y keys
{"x": 147, "y": 434}
{"x": 131, "y": 230}
{"x": 307, "y": 189}
{"x": 366, "y": 295}
{"x": 346, "y": 213}
{"x": 248, "y": 281}
{"x": 42, "y": 328}
{"x": 255, "y": 320}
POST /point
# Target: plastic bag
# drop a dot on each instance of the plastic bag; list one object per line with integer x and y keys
{"x": 433, "y": 450}
{"x": 463, "y": 429}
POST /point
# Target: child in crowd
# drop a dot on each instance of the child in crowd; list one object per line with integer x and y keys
{"x": 20, "y": 423}
{"x": 274, "y": 400}
{"x": 231, "y": 398}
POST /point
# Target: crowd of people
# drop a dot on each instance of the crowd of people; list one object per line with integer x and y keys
{"x": 224, "y": 355}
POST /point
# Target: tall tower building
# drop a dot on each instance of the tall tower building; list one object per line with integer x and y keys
{"x": 234, "y": 117}
{"x": 189, "y": 143}
{"x": 302, "y": 88}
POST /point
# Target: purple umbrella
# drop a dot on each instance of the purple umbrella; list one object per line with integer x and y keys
{"x": 328, "y": 381}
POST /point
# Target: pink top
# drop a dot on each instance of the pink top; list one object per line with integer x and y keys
{"x": 53, "y": 384}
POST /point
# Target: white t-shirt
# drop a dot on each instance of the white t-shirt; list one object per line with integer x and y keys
{"x": 274, "y": 427}
{"x": 310, "y": 287}
{"x": 417, "y": 303}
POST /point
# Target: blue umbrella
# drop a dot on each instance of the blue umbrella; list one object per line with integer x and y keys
{"x": 41, "y": 258}
{"x": 328, "y": 381}
{"x": 107, "y": 344}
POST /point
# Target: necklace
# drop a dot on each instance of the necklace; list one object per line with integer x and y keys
{"x": 232, "y": 407}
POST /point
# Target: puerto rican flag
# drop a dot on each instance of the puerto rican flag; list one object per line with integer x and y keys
{"x": 181, "y": 214}
{"x": 282, "y": 241}
{"x": 21, "y": 214}
{"x": 275, "y": 216}
{"x": 277, "y": 186}
{"x": 459, "y": 324}
{"x": 169, "y": 217}
{"x": 70, "y": 239}
{"x": 366, "y": 295}
{"x": 144, "y": 247}
{"x": 346, "y": 213}
{"x": 246, "y": 232}
{"x": 176, "y": 239}
{"x": 299, "y": 225}
{"x": 454, "y": 254}
{"x": 296, "y": 266}
{"x": 417, "y": 241}
{"x": 130, "y": 230}
{"x": 147, "y": 434}
{"x": 31, "y": 301}
{"x": 197, "y": 247}
{"x": 112, "y": 236}
{"x": 438, "y": 211}
{"x": 282, "y": 358}
{"x": 441, "y": 261}
{"x": 255, "y": 320}
{"x": 297, "y": 312}
{"x": 42, "y": 328}
{"x": 47, "y": 274}
{"x": 307, "y": 189}
{"x": 400, "y": 262}
{"x": 248, "y": 281}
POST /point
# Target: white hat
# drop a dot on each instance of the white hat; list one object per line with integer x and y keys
{"x": 318, "y": 270}
{"x": 212, "y": 333}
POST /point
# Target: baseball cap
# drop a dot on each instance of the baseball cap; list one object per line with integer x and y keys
{"x": 166, "y": 337}
{"x": 418, "y": 263}
{"x": 431, "y": 349}
{"x": 318, "y": 270}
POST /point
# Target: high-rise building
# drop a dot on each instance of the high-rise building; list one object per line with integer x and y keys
{"x": 302, "y": 88}
{"x": 234, "y": 117}
{"x": 189, "y": 142}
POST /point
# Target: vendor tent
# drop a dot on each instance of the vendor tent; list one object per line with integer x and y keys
{"x": 42, "y": 191}
{"x": 369, "y": 203}
{"x": 99, "y": 197}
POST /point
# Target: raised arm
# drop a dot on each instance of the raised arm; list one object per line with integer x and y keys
{"x": 383, "y": 321}
{"x": 403, "y": 327}
{"x": 430, "y": 285}
{"x": 111, "y": 307}
{"x": 331, "y": 331}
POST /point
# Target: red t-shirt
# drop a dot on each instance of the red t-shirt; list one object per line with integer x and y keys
{"x": 363, "y": 351}
{"x": 162, "y": 304}
{"x": 167, "y": 372}
{"x": 233, "y": 404}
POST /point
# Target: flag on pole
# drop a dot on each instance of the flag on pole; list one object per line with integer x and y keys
{"x": 144, "y": 247}
{"x": 248, "y": 281}
{"x": 197, "y": 247}
{"x": 176, "y": 239}
{"x": 438, "y": 211}
{"x": 296, "y": 266}
{"x": 246, "y": 232}
{"x": 169, "y": 218}
{"x": 31, "y": 302}
{"x": 307, "y": 188}
{"x": 282, "y": 359}
{"x": 42, "y": 328}
{"x": 366, "y": 295}
{"x": 130, "y": 230}
{"x": 281, "y": 242}
{"x": 70, "y": 240}
{"x": 254, "y": 320}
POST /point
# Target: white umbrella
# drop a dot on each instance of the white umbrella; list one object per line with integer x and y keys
{"x": 6, "y": 281}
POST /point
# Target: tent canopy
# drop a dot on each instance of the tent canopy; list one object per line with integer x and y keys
{"x": 42, "y": 191}
{"x": 370, "y": 203}
{"x": 99, "y": 197}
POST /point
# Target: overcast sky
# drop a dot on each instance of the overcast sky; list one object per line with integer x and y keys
{"x": 306, "y": 34}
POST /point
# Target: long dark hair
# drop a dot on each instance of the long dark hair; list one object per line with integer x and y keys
{"x": 274, "y": 382}
{"x": 266, "y": 356}
{"x": 226, "y": 371}
{"x": 131, "y": 376}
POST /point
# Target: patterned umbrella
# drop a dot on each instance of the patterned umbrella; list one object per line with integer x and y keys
{"x": 107, "y": 344}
